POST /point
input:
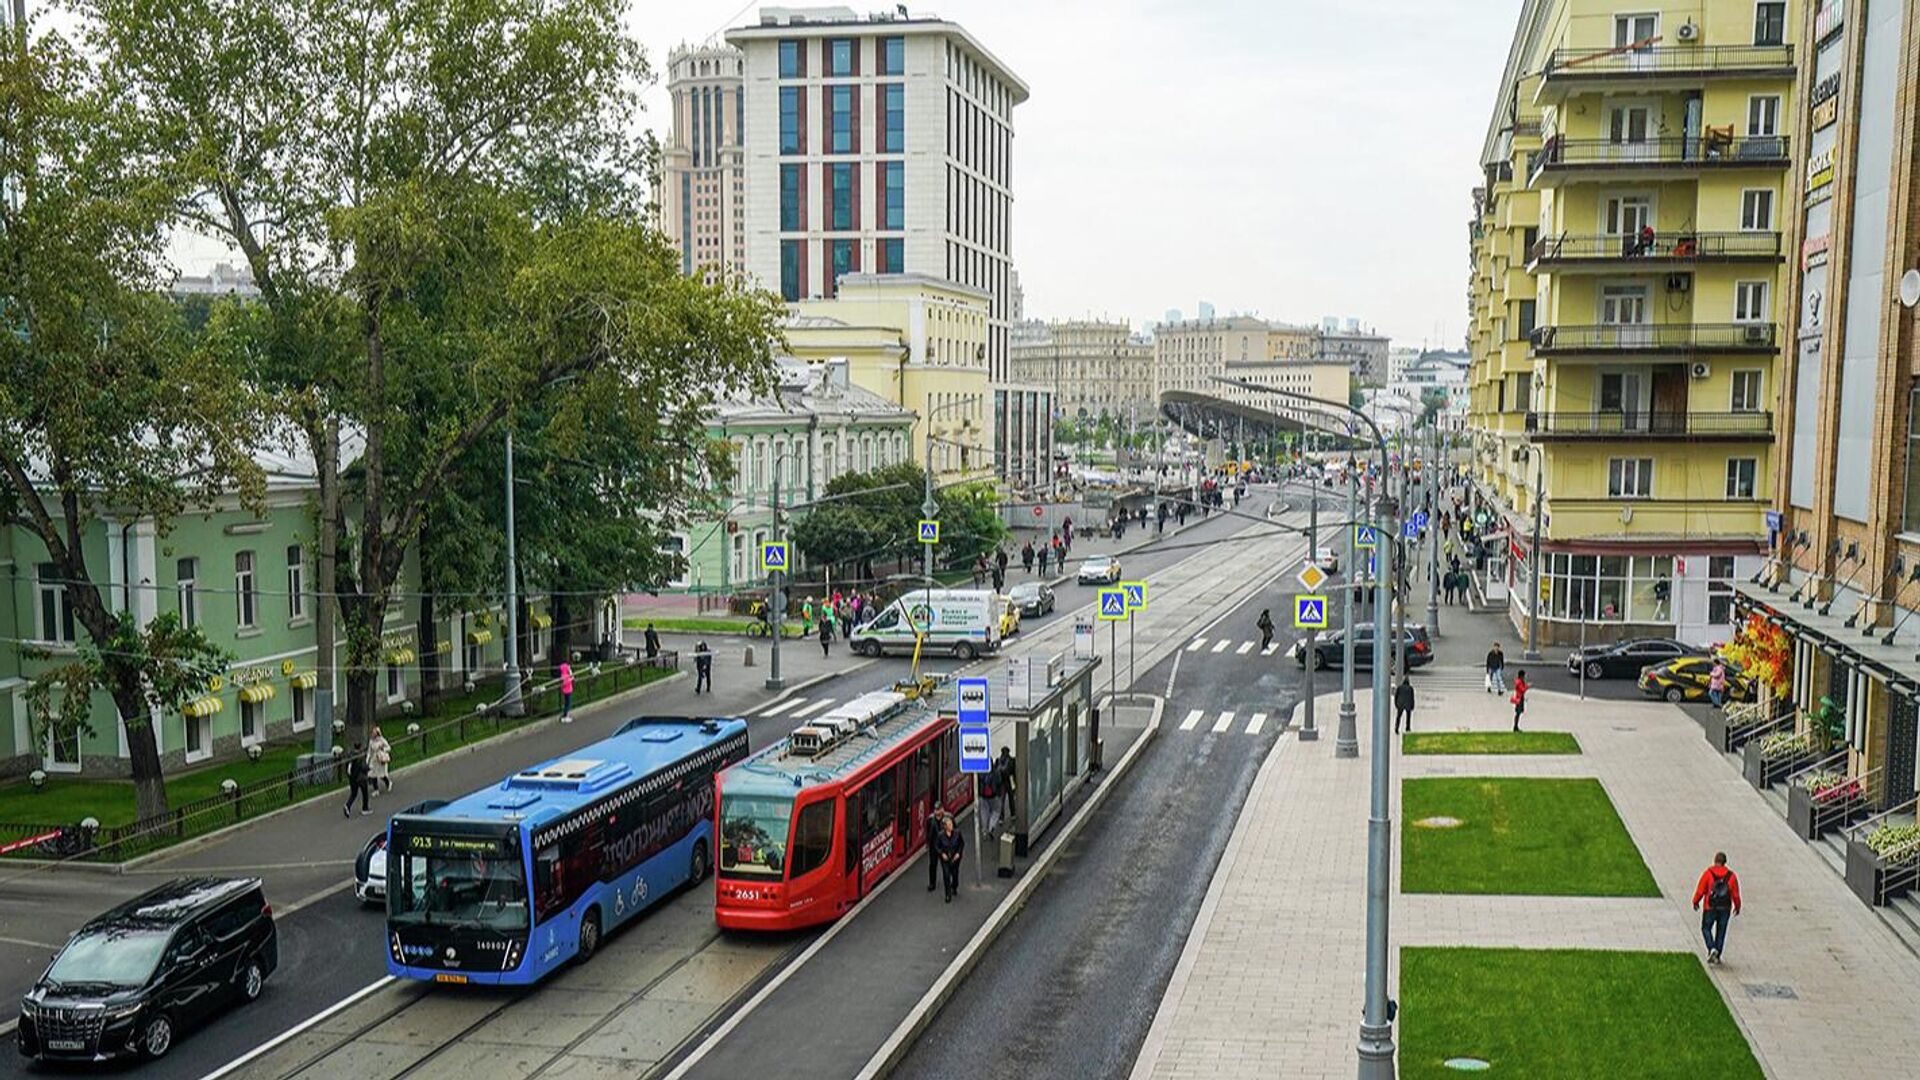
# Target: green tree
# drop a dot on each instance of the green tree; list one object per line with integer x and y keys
{"x": 876, "y": 516}
{"x": 108, "y": 405}
{"x": 447, "y": 221}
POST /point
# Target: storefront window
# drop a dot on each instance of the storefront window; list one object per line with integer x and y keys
{"x": 1605, "y": 588}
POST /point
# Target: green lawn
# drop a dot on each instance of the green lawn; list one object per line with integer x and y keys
{"x": 1566, "y": 1013}
{"x": 1489, "y": 742}
{"x": 703, "y": 624}
{"x": 1518, "y": 836}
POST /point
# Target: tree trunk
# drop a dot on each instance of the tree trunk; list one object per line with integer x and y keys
{"x": 562, "y": 606}
{"x": 429, "y": 655}
{"x": 143, "y": 753}
{"x": 363, "y": 665}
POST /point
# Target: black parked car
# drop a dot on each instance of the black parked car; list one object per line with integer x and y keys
{"x": 1330, "y": 649}
{"x": 1624, "y": 659}
{"x": 130, "y": 981}
{"x": 1033, "y": 598}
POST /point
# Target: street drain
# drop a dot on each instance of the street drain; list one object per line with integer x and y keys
{"x": 1464, "y": 1064}
{"x": 1439, "y": 823}
{"x": 1773, "y": 991}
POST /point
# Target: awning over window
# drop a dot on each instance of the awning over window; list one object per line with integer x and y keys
{"x": 306, "y": 680}
{"x": 255, "y": 693}
{"x": 542, "y": 622}
{"x": 398, "y": 657}
{"x": 202, "y": 706}
{"x": 479, "y": 637}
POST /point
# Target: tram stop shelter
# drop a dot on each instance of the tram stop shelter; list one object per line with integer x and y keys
{"x": 1043, "y": 710}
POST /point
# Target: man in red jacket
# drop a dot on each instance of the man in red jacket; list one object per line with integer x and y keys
{"x": 1719, "y": 888}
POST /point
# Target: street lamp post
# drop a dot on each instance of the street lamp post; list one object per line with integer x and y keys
{"x": 1346, "y": 740}
{"x": 1308, "y": 732}
{"x": 1430, "y": 480}
{"x": 1532, "y": 651}
{"x": 777, "y": 596}
{"x": 510, "y": 703}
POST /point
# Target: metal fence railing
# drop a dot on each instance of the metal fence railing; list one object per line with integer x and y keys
{"x": 1667, "y": 59}
{"x": 1683, "y": 245}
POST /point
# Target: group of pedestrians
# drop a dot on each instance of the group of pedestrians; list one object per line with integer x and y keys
{"x": 1496, "y": 682}
{"x": 369, "y": 771}
{"x": 946, "y": 845}
{"x": 1052, "y": 551}
{"x": 838, "y": 611}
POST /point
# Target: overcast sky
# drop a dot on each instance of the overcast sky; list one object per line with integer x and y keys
{"x": 1294, "y": 158}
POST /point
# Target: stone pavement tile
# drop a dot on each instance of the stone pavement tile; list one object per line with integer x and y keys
{"x": 366, "y": 1058}
{"x": 642, "y": 1033}
{"x": 469, "y": 1060}
{"x": 539, "y": 1024}
{"x": 712, "y": 978}
{"x": 587, "y": 1067}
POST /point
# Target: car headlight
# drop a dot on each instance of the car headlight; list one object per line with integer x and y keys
{"x": 125, "y": 1011}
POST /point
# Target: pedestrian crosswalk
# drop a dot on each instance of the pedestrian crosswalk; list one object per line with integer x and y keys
{"x": 1223, "y": 722}
{"x": 1238, "y": 647}
{"x": 1215, "y": 722}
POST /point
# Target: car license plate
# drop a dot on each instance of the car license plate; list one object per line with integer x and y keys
{"x": 65, "y": 1044}
{"x": 450, "y": 978}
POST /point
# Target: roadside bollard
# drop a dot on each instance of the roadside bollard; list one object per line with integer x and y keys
{"x": 749, "y": 661}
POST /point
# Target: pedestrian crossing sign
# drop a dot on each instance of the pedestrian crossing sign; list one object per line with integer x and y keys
{"x": 1113, "y": 604}
{"x": 1366, "y": 536}
{"x": 773, "y": 556}
{"x": 1310, "y": 612}
{"x": 1136, "y": 594}
{"x": 929, "y": 531}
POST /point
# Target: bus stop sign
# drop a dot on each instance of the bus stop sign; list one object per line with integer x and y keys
{"x": 975, "y": 724}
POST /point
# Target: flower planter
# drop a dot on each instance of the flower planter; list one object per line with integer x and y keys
{"x": 1810, "y": 815}
{"x": 1763, "y": 772}
{"x": 1867, "y": 875}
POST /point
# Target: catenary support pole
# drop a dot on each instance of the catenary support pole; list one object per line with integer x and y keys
{"x": 1346, "y": 742}
{"x": 510, "y": 703}
{"x": 1311, "y": 653}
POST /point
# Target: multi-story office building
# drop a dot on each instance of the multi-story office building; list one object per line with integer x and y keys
{"x": 879, "y": 144}
{"x": 1189, "y": 353}
{"x": 1093, "y": 368}
{"x": 1844, "y": 581}
{"x": 1191, "y": 356}
{"x": 1363, "y": 351}
{"x": 703, "y": 175}
{"x": 1626, "y": 260}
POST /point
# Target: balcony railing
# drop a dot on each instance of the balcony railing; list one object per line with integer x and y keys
{"x": 1687, "y": 246}
{"x": 1714, "y": 148}
{"x": 1668, "y": 60}
{"x": 1652, "y": 424}
{"x": 1657, "y": 337}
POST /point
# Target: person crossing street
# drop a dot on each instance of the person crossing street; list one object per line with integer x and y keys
{"x": 1266, "y": 629}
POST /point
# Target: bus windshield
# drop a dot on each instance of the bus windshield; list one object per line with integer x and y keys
{"x": 472, "y": 877}
{"x": 753, "y": 835}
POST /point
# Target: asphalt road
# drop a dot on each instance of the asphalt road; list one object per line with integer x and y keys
{"x": 330, "y": 947}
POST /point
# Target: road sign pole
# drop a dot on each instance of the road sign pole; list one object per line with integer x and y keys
{"x": 1308, "y": 732}
{"x": 1346, "y": 739}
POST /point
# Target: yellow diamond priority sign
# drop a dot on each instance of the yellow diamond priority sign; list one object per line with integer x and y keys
{"x": 1310, "y": 577}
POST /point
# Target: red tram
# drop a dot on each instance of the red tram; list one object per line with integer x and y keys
{"x": 814, "y": 822}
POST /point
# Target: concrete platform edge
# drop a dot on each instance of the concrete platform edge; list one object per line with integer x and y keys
{"x": 895, "y": 1048}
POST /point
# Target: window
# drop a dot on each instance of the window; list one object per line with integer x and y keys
{"x": 1523, "y": 392}
{"x": 1770, "y": 22}
{"x": 302, "y": 710}
{"x": 1750, "y": 301}
{"x": 1910, "y": 515}
{"x": 790, "y": 269}
{"x": 396, "y": 683}
{"x": 56, "y": 618}
{"x": 249, "y": 722}
{"x": 790, "y": 141}
{"x": 812, "y": 838}
{"x": 1720, "y": 589}
{"x": 186, "y": 587}
{"x": 1763, "y": 115}
{"x": 1740, "y": 474}
{"x": 1635, "y": 30}
{"x": 893, "y": 213}
{"x": 1630, "y": 478}
{"x": 840, "y": 55}
{"x": 840, "y": 120}
{"x": 793, "y": 63}
{"x": 893, "y": 56}
{"x": 1529, "y": 239}
{"x": 1524, "y": 314}
{"x": 63, "y": 748}
{"x": 893, "y": 256}
{"x": 791, "y": 209}
{"x": 1756, "y": 210}
{"x": 1746, "y": 390}
{"x": 296, "y": 582}
{"x": 840, "y": 198}
{"x": 893, "y": 119}
{"x": 245, "y": 601}
{"x": 199, "y": 737}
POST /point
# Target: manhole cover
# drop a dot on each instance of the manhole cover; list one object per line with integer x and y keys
{"x": 1619, "y": 728}
{"x": 1440, "y": 822}
{"x": 1770, "y": 990}
{"x": 1467, "y": 1064}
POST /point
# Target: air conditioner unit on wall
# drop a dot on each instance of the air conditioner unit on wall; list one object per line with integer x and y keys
{"x": 1700, "y": 369}
{"x": 1679, "y": 282}
{"x": 1689, "y": 33}
{"x": 1757, "y": 334}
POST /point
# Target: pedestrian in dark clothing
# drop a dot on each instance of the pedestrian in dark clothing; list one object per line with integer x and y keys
{"x": 1266, "y": 629}
{"x": 1519, "y": 697}
{"x": 1403, "y": 704}
{"x": 1043, "y": 560}
{"x": 826, "y": 637}
{"x": 1003, "y": 786}
{"x": 949, "y": 845}
{"x": 1026, "y": 557}
{"x": 702, "y": 668}
{"x": 1720, "y": 888}
{"x": 1496, "y": 670}
{"x": 933, "y": 851}
{"x": 1000, "y": 560}
{"x": 357, "y": 782}
{"x": 653, "y": 642}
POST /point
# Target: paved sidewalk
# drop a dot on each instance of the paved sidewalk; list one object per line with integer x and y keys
{"x": 1270, "y": 984}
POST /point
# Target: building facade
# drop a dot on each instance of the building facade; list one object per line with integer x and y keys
{"x": 1625, "y": 288}
{"x": 1845, "y": 538}
{"x": 1363, "y": 351}
{"x": 881, "y": 144}
{"x": 1093, "y": 368}
{"x": 1189, "y": 353}
{"x": 703, "y": 167}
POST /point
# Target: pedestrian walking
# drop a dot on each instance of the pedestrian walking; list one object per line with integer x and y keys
{"x": 826, "y": 637}
{"x": 1026, "y": 557}
{"x": 1043, "y": 560}
{"x": 999, "y": 579}
{"x": 1496, "y": 670}
{"x": 702, "y": 668}
{"x": 652, "y": 639}
{"x": 950, "y": 846}
{"x": 1719, "y": 889}
{"x": 1000, "y": 562}
{"x": 806, "y": 617}
{"x": 1519, "y": 697}
{"x": 1717, "y": 684}
{"x": 1004, "y": 785}
{"x": 1265, "y": 625}
{"x": 566, "y": 692}
{"x": 989, "y": 792}
{"x": 933, "y": 850}
{"x": 356, "y": 781}
{"x": 1403, "y": 704}
{"x": 379, "y": 763}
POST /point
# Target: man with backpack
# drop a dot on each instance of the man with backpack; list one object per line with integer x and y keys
{"x": 1720, "y": 888}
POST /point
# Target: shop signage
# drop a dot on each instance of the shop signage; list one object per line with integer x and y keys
{"x": 286, "y": 667}
{"x": 1813, "y": 250}
{"x": 1825, "y": 113}
{"x": 1828, "y": 19}
{"x": 1819, "y": 170}
{"x": 243, "y": 676}
{"x": 1825, "y": 90}
{"x": 402, "y": 639}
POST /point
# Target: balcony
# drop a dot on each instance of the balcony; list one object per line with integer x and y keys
{"x": 1560, "y": 159}
{"x": 1650, "y": 426}
{"x": 1646, "y": 339}
{"x": 1657, "y": 67}
{"x": 1613, "y": 253}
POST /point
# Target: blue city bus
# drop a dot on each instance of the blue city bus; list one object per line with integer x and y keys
{"x": 502, "y": 886}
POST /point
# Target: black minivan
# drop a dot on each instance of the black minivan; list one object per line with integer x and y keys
{"x": 131, "y": 980}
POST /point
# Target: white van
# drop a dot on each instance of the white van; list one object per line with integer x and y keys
{"x": 962, "y": 622}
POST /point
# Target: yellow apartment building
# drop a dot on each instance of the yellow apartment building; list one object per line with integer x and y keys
{"x": 1627, "y": 258}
